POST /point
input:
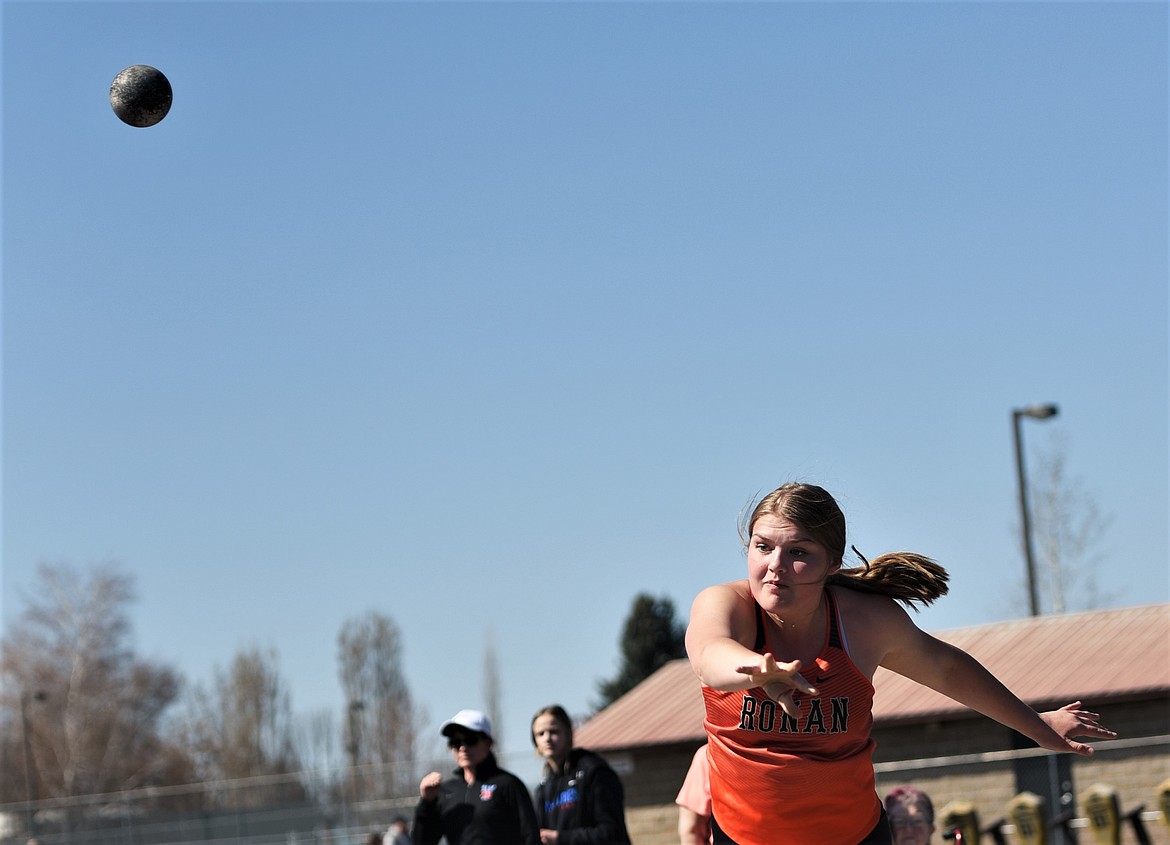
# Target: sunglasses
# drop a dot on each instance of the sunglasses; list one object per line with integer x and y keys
{"x": 467, "y": 741}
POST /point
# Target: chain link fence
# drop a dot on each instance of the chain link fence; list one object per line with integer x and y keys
{"x": 328, "y": 807}
{"x": 343, "y": 806}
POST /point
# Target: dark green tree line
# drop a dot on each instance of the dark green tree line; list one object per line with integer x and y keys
{"x": 650, "y": 637}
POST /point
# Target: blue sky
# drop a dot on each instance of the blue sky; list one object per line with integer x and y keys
{"x": 490, "y": 316}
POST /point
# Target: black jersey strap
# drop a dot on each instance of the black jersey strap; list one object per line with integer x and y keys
{"x": 835, "y": 639}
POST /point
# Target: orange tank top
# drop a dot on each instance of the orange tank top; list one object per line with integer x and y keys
{"x": 776, "y": 780}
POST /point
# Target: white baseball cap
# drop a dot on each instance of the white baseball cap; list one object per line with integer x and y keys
{"x": 471, "y": 720}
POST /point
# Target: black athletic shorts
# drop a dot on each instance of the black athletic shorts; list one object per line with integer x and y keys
{"x": 880, "y": 835}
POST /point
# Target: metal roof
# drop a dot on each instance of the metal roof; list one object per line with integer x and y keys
{"x": 1052, "y": 660}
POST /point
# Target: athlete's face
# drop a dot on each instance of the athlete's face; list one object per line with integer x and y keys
{"x": 910, "y": 826}
{"x": 786, "y": 567}
{"x": 552, "y": 740}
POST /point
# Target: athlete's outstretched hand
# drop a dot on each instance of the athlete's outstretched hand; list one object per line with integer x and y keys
{"x": 779, "y": 680}
{"x": 1070, "y": 721}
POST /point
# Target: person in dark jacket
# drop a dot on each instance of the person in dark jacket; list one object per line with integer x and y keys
{"x": 580, "y": 800}
{"x": 480, "y": 804}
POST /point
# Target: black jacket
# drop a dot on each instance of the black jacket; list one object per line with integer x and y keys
{"x": 584, "y": 802}
{"x": 492, "y": 810}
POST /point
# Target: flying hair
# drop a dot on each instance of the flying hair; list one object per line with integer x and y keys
{"x": 904, "y": 576}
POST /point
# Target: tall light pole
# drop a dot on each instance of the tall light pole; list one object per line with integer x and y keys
{"x": 1036, "y": 412}
{"x": 30, "y": 782}
{"x": 354, "y": 744}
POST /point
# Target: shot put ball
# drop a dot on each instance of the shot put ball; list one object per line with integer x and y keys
{"x": 140, "y": 95}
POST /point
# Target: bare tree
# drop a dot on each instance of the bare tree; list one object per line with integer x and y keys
{"x": 1068, "y": 530}
{"x": 315, "y": 739}
{"x": 241, "y": 727}
{"x": 87, "y": 709}
{"x": 380, "y": 714}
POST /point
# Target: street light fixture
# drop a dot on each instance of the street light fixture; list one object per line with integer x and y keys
{"x": 1036, "y": 412}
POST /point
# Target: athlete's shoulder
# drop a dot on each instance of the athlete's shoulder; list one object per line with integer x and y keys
{"x": 873, "y": 626}
{"x": 728, "y": 591}
{"x": 868, "y": 606}
{"x": 723, "y": 610}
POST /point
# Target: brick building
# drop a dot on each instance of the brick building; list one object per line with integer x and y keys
{"x": 1116, "y": 661}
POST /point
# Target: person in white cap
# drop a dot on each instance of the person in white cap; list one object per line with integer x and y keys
{"x": 480, "y": 804}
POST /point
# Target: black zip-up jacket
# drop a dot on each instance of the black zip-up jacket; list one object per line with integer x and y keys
{"x": 492, "y": 810}
{"x": 584, "y": 802}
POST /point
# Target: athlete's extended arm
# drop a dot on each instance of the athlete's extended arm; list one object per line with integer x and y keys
{"x": 722, "y": 621}
{"x": 956, "y": 674}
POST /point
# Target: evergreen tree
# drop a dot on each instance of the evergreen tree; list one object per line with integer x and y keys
{"x": 651, "y": 637}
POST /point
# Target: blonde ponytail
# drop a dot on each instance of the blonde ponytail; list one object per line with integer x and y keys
{"x": 904, "y": 576}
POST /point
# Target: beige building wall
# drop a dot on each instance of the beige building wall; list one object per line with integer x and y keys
{"x": 942, "y": 760}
